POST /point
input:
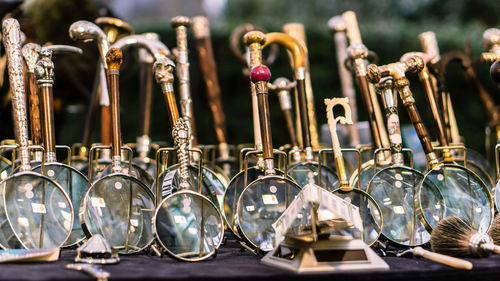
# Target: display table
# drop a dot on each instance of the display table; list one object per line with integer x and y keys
{"x": 233, "y": 264}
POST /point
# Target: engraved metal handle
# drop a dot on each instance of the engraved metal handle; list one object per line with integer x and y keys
{"x": 164, "y": 74}
{"x": 12, "y": 44}
{"x": 181, "y": 24}
{"x": 332, "y": 125}
{"x": 181, "y": 136}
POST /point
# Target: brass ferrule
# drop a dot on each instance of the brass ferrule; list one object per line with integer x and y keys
{"x": 339, "y": 162}
{"x": 269, "y": 167}
{"x": 432, "y": 159}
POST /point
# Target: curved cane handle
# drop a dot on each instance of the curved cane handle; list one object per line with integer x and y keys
{"x": 429, "y": 44}
{"x": 114, "y": 27}
{"x": 292, "y": 44}
{"x": 86, "y": 31}
{"x": 64, "y": 49}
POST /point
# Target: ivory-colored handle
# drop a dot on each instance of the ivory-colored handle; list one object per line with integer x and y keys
{"x": 352, "y": 28}
{"x": 332, "y": 121}
{"x": 443, "y": 259}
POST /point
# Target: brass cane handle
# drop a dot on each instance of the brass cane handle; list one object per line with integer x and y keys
{"x": 254, "y": 41}
{"x": 114, "y": 59}
{"x": 292, "y": 44}
{"x": 114, "y": 28}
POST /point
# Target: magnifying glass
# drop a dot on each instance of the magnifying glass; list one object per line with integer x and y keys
{"x": 187, "y": 224}
{"x": 394, "y": 188}
{"x": 35, "y": 210}
{"x": 70, "y": 179}
{"x": 464, "y": 193}
{"x": 369, "y": 210}
{"x": 263, "y": 201}
{"x": 118, "y": 206}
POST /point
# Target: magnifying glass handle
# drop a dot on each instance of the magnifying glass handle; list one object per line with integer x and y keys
{"x": 443, "y": 259}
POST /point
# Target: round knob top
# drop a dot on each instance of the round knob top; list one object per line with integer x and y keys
{"x": 495, "y": 71}
{"x": 114, "y": 59}
{"x": 180, "y": 21}
{"x": 491, "y": 36}
{"x": 260, "y": 73}
{"x": 282, "y": 83}
{"x": 337, "y": 24}
{"x": 415, "y": 64}
{"x": 357, "y": 51}
{"x": 254, "y": 37}
{"x": 373, "y": 73}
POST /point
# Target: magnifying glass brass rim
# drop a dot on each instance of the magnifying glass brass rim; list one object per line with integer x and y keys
{"x": 39, "y": 176}
{"x": 232, "y": 185}
{"x": 85, "y": 220}
{"x": 72, "y": 170}
{"x": 418, "y": 209}
{"x": 213, "y": 196}
{"x": 370, "y": 198}
{"x": 243, "y": 236}
{"x": 422, "y": 216}
{"x": 204, "y": 198}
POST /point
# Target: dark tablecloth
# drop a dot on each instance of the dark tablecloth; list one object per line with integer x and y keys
{"x": 233, "y": 264}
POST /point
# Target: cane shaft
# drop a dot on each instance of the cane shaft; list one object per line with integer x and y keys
{"x": 48, "y": 122}
{"x": 265, "y": 120}
{"x": 209, "y": 71}
{"x": 146, "y": 91}
{"x": 347, "y": 83}
{"x": 424, "y": 78}
{"x": 34, "y": 105}
{"x": 364, "y": 90}
{"x": 409, "y": 104}
{"x": 297, "y": 31}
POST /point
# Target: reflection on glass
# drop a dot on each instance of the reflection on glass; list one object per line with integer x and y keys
{"x": 38, "y": 211}
{"x": 370, "y": 214}
{"x": 189, "y": 226}
{"x": 303, "y": 171}
{"x": 211, "y": 185}
{"x": 260, "y": 205}
{"x": 464, "y": 195}
{"x": 395, "y": 191}
{"x": 75, "y": 185}
{"x": 120, "y": 208}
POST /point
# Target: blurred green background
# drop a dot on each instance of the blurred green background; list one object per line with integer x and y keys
{"x": 388, "y": 27}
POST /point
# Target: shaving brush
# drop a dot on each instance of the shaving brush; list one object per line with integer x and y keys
{"x": 454, "y": 236}
{"x": 494, "y": 230}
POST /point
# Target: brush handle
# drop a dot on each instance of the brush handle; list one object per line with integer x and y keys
{"x": 443, "y": 259}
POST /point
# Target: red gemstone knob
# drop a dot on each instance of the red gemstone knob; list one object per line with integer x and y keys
{"x": 260, "y": 73}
